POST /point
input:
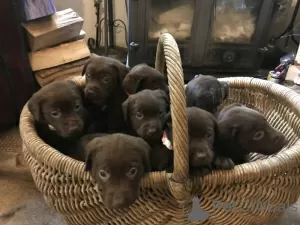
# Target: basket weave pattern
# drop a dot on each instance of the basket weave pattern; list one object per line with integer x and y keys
{"x": 166, "y": 198}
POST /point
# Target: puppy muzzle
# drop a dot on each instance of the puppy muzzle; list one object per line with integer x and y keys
{"x": 151, "y": 134}
{"x": 72, "y": 128}
{"x": 95, "y": 96}
{"x": 200, "y": 156}
{"x": 119, "y": 200}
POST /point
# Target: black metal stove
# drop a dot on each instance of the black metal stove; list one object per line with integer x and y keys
{"x": 213, "y": 35}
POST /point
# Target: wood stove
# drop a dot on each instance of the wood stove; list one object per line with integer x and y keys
{"x": 213, "y": 36}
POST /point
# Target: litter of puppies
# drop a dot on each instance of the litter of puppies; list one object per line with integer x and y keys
{"x": 120, "y": 126}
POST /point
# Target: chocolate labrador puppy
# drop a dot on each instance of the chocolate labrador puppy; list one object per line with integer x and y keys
{"x": 243, "y": 130}
{"x": 104, "y": 77}
{"x": 145, "y": 112}
{"x": 59, "y": 114}
{"x": 117, "y": 162}
{"x": 206, "y": 92}
{"x": 203, "y": 129}
{"x": 143, "y": 77}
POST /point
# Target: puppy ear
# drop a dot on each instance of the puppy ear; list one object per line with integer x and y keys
{"x": 121, "y": 69}
{"x": 145, "y": 151}
{"x": 168, "y": 126}
{"x": 132, "y": 82}
{"x": 161, "y": 94}
{"x": 85, "y": 66}
{"x": 216, "y": 128}
{"x": 89, "y": 152}
{"x": 125, "y": 108}
{"x": 89, "y": 161}
{"x": 34, "y": 106}
{"x": 76, "y": 88}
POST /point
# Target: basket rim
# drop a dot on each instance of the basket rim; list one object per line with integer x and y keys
{"x": 277, "y": 164}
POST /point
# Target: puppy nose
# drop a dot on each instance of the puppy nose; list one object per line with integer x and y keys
{"x": 119, "y": 203}
{"x": 151, "y": 131}
{"x": 90, "y": 92}
{"x": 279, "y": 139}
{"x": 200, "y": 155}
{"x": 72, "y": 126}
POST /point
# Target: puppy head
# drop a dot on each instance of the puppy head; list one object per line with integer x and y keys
{"x": 59, "y": 104}
{"x": 146, "y": 113}
{"x": 103, "y": 75}
{"x": 117, "y": 163}
{"x": 249, "y": 129}
{"x": 143, "y": 77}
{"x": 206, "y": 92}
{"x": 202, "y": 128}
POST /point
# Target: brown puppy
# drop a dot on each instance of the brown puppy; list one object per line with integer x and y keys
{"x": 59, "y": 114}
{"x": 145, "y": 112}
{"x": 202, "y": 128}
{"x": 104, "y": 77}
{"x": 118, "y": 162}
{"x": 143, "y": 77}
{"x": 243, "y": 130}
{"x": 206, "y": 92}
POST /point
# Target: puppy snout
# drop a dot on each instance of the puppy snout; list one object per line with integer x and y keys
{"x": 121, "y": 200}
{"x": 280, "y": 140}
{"x": 90, "y": 93}
{"x": 200, "y": 155}
{"x": 201, "y": 159}
{"x": 73, "y": 126}
{"x": 151, "y": 131}
{"x": 119, "y": 203}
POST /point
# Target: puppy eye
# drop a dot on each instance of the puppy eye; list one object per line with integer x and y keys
{"x": 103, "y": 175}
{"x": 55, "y": 113}
{"x": 258, "y": 135}
{"x": 105, "y": 79}
{"x": 132, "y": 172}
{"x": 139, "y": 115}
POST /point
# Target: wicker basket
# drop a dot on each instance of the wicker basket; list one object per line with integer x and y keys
{"x": 167, "y": 198}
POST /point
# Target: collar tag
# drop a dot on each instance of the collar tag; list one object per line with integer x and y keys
{"x": 166, "y": 142}
{"x": 51, "y": 127}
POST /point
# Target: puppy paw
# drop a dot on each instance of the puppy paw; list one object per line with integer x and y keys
{"x": 224, "y": 163}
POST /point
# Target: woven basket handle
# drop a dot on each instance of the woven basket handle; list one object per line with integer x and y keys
{"x": 167, "y": 51}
